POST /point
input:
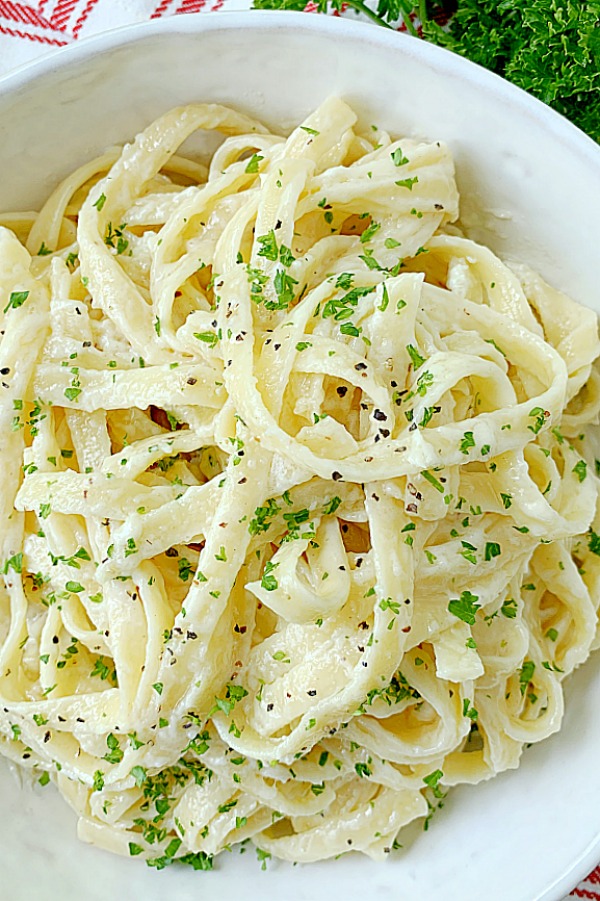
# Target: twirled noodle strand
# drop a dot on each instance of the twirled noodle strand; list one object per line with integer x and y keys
{"x": 300, "y": 493}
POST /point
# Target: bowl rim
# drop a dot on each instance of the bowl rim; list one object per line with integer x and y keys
{"x": 438, "y": 58}
{"x": 443, "y": 61}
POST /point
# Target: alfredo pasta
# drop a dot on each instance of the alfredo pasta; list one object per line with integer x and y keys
{"x": 298, "y": 511}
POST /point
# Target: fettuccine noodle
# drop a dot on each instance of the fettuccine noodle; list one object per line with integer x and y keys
{"x": 299, "y": 505}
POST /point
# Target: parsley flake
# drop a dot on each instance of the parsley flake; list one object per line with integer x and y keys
{"x": 465, "y": 607}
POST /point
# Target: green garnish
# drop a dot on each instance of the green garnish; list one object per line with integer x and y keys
{"x": 253, "y": 163}
{"x": 16, "y": 300}
{"x": 465, "y": 607}
{"x": 526, "y": 674}
{"x": 268, "y": 581}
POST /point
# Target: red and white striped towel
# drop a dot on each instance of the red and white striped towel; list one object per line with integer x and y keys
{"x": 28, "y": 30}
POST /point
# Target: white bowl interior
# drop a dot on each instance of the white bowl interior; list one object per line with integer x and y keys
{"x": 530, "y": 187}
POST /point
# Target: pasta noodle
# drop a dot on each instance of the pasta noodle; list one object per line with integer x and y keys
{"x": 299, "y": 509}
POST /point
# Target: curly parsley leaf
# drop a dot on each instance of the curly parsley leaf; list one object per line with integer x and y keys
{"x": 465, "y": 607}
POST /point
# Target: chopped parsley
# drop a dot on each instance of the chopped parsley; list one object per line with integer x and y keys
{"x": 16, "y": 300}
{"x": 268, "y": 581}
{"x": 526, "y": 675}
{"x": 253, "y": 162}
{"x": 209, "y": 338}
{"x": 15, "y": 563}
{"x": 268, "y": 246}
{"x": 263, "y": 517}
{"x": 407, "y": 182}
{"x": 465, "y": 607}
{"x": 114, "y": 753}
{"x": 466, "y": 442}
{"x": 100, "y": 669}
{"x": 432, "y": 782}
{"x": 469, "y": 711}
{"x": 331, "y": 506}
{"x": 415, "y": 356}
{"x": 492, "y": 549}
{"x": 539, "y": 417}
{"x": 115, "y": 238}
{"x": 509, "y": 609}
{"x": 432, "y": 481}
{"x": 369, "y": 232}
{"x": 284, "y": 288}
{"x": 398, "y": 157}
{"x": 594, "y": 542}
{"x": 233, "y": 694}
{"x": 73, "y": 587}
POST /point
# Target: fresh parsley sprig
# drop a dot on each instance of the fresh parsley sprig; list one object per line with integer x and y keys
{"x": 387, "y": 12}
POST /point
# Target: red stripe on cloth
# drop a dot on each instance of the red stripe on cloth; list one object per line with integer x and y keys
{"x": 9, "y": 11}
{"x": 39, "y": 38}
{"x": 61, "y": 14}
{"x": 17, "y": 12}
{"x": 161, "y": 9}
{"x": 190, "y": 6}
{"x": 41, "y": 6}
{"x": 217, "y": 6}
{"x": 27, "y": 14}
{"x": 594, "y": 876}
{"x": 584, "y": 893}
{"x": 82, "y": 18}
{"x": 30, "y": 15}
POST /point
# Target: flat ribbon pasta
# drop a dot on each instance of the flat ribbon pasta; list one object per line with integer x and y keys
{"x": 300, "y": 504}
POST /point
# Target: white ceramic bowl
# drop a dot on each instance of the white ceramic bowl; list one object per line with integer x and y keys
{"x": 530, "y": 187}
